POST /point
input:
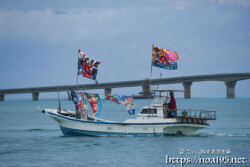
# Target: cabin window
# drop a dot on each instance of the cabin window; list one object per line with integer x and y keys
{"x": 148, "y": 111}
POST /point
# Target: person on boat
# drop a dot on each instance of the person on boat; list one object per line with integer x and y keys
{"x": 172, "y": 106}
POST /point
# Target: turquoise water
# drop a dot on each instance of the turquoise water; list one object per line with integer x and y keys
{"x": 30, "y": 138}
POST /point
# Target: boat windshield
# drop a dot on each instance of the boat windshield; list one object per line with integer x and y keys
{"x": 157, "y": 100}
{"x": 148, "y": 111}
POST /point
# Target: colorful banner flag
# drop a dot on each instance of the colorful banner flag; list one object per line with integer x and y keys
{"x": 95, "y": 102}
{"x": 77, "y": 98}
{"x": 113, "y": 97}
{"x": 163, "y": 58}
{"x": 129, "y": 104}
{"x": 126, "y": 100}
{"x": 87, "y": 67}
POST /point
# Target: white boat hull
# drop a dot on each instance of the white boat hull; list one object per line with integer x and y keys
{"x": 140, "y": 127}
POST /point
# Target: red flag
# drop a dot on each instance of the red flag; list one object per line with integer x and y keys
{"x": 86, "y": 66}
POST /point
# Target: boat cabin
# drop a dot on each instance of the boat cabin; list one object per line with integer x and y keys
{"x": 156, "y": 109}
{"x": 160, "y": 109}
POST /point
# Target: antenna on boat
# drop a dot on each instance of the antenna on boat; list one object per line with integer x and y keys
{"x": 59, "y": 105}
{"x": 159, "y": 82}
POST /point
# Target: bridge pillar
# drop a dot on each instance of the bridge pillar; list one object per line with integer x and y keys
{"x": 187, "y": 89}
{"x": 230, "y": 88}
{"x": 1, "y": 97}
{"x": 107, "y": 91}
{"x": 35, "y": 96}
{"x": 146, "y": 88}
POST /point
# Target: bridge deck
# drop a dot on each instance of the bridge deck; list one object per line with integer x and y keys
{"x": 175, "y": 80}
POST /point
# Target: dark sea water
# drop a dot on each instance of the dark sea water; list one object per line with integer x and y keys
{"x": 30, "y": 138}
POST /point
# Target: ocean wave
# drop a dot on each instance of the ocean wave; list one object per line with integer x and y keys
{"x": 42, "y": 130}
{"x": 32, "y": 130}
{"x": 222, "y": 135}
{"x": 9, "y": 152}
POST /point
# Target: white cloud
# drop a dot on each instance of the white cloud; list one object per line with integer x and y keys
{"x": 52, "y": 25}
{"x": 177, "y": 5}
{"x": 180, "y": 5}
{"x": 244, "y": 3}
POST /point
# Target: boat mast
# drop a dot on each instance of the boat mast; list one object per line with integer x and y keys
{"x": 59, "y": 105}
{"x": 77, "y": 74}
{"x": 150, "y": 82}
{"x": 77, "y": 65}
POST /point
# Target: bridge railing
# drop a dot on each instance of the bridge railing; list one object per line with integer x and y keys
{"x": 199, "y": 114}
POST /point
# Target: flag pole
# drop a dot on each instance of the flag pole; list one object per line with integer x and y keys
{"x": 59, "y": 104}
{"x": 150, "y": 81}
{"x": 77, "y": 74}
{"x": 77, "y": 64}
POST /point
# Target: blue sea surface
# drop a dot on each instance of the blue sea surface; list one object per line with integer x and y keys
{"x": 30, "y": 138}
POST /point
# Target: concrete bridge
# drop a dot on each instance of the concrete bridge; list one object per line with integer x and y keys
{"x": 229, "y": 80}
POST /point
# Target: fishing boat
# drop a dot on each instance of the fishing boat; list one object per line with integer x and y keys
{"x": 155, "y": 119}
{"x": 152, "y": 120}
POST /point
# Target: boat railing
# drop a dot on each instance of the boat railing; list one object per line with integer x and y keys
{"x": 199, "y": 114}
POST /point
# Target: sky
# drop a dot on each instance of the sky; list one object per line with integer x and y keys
{"x": 39, "y": 41}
